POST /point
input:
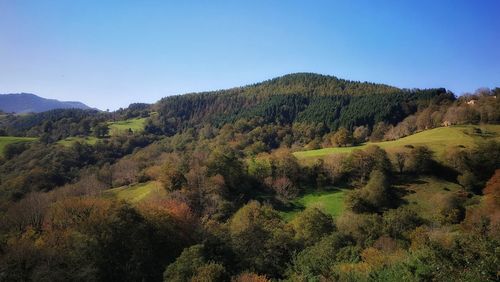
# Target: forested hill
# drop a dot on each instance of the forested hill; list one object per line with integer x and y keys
{"x": 318, "y": 104}
{"x": 30, "y": 103}
{"x": 302, "y": 97}
{"x": 315, "y": 84}
{"x": 208, "y": 187}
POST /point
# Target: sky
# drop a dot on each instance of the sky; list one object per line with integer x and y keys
{"x": 109, "y": 54}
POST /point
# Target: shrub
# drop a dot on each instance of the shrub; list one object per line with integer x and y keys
{"x": 342, "y": 137}
{"x": 317, "y": 260}
{"x": 421, "y": 160}
{"x": 375, "y": 196}
{"x": 451, "y": 210}
{"x": 361, "y": 163}
{"x": 250, "y": 277}
{"x": 398, "y": 222}
{"x": 185, "y": 265}
{"x": 210, "y": 272}
{"x": 283, "y": 186}
{"x": 311, "y": 225}
{"x": 274, "y": 247}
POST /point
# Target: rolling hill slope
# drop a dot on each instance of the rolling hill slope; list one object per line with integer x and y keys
{"x": 438, "y": 139}
{"x": 5, "y": 140}
{"x": 134, "y": 124}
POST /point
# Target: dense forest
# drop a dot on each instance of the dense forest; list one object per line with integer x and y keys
{"x": 208, "y": 189}
{"x": 304, "y": 98}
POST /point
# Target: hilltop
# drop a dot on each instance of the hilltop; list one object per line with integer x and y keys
{"x": 302, "y": 97}
{"x": 31, "y": 103}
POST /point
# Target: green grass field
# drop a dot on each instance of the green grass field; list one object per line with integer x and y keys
{"x": 438, "y": 139}
{"x": 115, "y": 128}
{"x": 330, "y": 201}
{"x": 4, "y": 140}
{"x": 136, "y": 193}
{"x": 135, "y": 124}
{"x": 91, "y": 140}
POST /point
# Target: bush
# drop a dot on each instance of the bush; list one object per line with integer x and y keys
{"x": 14, "y": 149}
{"x": 377, "y": 191}
{"x": 185, "y": 265}
{"x": 356, "y": 202}
{"x": 451, "y": 210}
{"x": 398, "y": 222}
{"x": 360, "y": 134}
{"x": 311, "y": 225}
{"x": 210, "y": 272}
{"x": 284, "y": 187}
{"x": 375, "y": 196}
{"x": 250, "y": 277}
{"x": 260, "y": 240}
{"x": 364, "y": 228}
{"x": 317, "y": 260}
{"x": 361, "y": 163}
{"x": 421, "y": 160}
{"x": 468, "y": 180}
{"x": 342, "y": 137}
{"x": 171, "y": 177}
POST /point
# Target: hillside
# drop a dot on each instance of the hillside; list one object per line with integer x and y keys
{"x": 437, "y": 139}
{"x": 5, "y": 140}
{"x": 302, "y": 97}
{"x": 223, "y": 183}
{"x": 136, "y": 193}
{"x": 30, "y": 103}
{"x": 320, "y": 101}
{"x": 123, "y": 126}
{"x": 250, "y": 141}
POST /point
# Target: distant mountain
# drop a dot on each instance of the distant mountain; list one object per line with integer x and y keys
{"x": 30, "y": 103}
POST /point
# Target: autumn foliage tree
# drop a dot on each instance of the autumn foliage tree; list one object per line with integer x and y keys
{"x": 171, "y": 177}
{"x": 360, "y": 163}
{"x": 275, "y": 245}
{"x": 342, "y": 137}
{"x": 375, "y": 196}
{"x": 484, "y": 219}
{"x": 311, "y": 225}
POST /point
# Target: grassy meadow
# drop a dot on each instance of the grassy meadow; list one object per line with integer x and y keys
{"x": 135, "y": 124}
{"x": 438, "y": 139}
{"x": 137, "y": 192}
{"x": 91, "y": 140}
{"x": 329, "y": 201}
{"x": 115, "y": 128}
{"x": 5, "y": 140}
{"x": 424, "y": 195}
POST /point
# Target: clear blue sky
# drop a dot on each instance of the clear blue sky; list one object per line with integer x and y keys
{"x": 111, "y": 53}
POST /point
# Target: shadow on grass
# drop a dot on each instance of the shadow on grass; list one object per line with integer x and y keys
{"x": 397, "y": 198}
